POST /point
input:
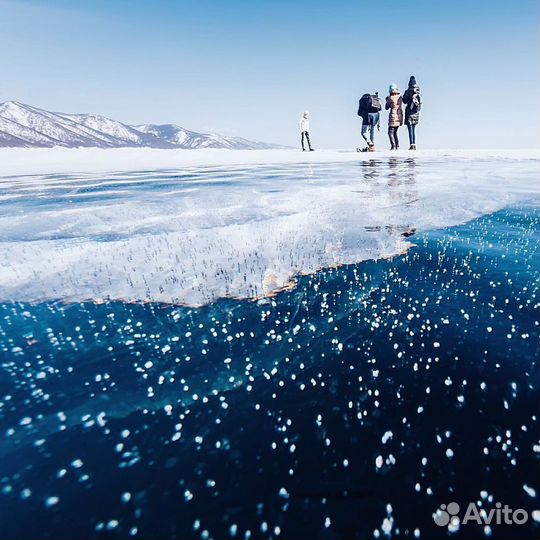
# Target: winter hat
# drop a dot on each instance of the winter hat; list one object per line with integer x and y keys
{"x": 393, "y": 88}
{"x": 306, "y": 114}
{"x": 412, "y": 81}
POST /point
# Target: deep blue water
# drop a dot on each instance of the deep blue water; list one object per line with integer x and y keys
{"x": 266, "y": 419}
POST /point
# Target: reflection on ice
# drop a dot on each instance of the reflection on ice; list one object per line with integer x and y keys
{"x": 191, "y": 236}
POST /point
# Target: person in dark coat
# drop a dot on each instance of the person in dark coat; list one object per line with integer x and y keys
{"x": 413, "y": 103}
{"x": 368, "y": 110}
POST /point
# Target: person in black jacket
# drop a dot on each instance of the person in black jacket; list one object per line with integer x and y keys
{"x": 413, "y": 101}
{"x": 368, "y": 109}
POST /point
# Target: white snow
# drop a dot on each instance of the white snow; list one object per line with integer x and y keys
{"x": 27, "y": 161}
{"x": 105, "y": 125}
{"x": 190, "y": 226}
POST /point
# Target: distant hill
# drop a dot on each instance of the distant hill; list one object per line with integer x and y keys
{"x": 30, "y": 127}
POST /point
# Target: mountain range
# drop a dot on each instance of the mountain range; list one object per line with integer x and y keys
{"x": 30, "y": 127}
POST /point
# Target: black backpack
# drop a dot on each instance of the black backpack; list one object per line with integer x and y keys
{"x": 416, "y": 103}
{"x": 376, "y": 105}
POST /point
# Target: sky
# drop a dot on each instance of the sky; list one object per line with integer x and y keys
{"x": 250, "y": 68}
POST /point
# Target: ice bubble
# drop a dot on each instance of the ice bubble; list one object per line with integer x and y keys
{"x": 387, "y": 526}
{"x": 51, "y": 501}
{"x": 112, "y": 524}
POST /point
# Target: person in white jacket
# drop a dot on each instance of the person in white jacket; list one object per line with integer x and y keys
{"x": 304, "y": 130}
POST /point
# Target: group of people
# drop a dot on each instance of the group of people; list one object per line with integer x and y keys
{"x": 369, "y": 109}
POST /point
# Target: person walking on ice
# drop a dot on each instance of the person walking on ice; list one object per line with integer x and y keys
{"x": 369, "y": 108}
{"x": 413, "y": 101}
{"x": 304, "y": 130}
{"x": 395, "y": 117}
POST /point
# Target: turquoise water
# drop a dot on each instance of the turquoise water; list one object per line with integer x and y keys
{"x": 355, "y": 404}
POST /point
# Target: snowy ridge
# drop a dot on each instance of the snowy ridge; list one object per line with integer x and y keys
{"x": 30, "y": 127}
{"x": 185, "y": 138}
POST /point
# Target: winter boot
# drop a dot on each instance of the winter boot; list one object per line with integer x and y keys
{"x": 371, "y": 148}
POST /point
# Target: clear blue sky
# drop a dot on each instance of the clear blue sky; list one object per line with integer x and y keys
{"x": 250, "y": 68}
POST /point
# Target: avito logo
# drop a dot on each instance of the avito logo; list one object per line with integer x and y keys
{"x": 448, "y": 515}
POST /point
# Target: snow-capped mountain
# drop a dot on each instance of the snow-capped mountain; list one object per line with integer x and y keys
{"x": 185, "y": 138}
{"x": 26, "y": 126}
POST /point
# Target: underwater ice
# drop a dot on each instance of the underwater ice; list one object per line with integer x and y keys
{"x": 349, "y": 407}
{"x": 192, "y": 235}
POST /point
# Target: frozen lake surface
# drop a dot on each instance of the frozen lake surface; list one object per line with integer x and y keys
{"x": 351, "y": 406}
{"x": 193, "y": 235}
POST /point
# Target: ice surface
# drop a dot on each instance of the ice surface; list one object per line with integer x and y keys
{"x": 26, "y": 161}
{"x": 343, "y": 382}
{"x": 192, "y": 234}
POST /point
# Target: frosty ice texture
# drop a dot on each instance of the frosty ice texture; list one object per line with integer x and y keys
{"x": 193, "y": 235}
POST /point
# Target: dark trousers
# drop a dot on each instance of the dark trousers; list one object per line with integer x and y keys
{"x": 392, "y": 134}
{"x": 412, "y": 133}
{"x": 306, "y": 134}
